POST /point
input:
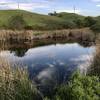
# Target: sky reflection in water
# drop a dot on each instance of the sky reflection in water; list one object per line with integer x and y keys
{"x": 53, "y": 64}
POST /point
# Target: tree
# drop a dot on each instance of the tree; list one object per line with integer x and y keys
{"x": 53, "y": 14}
{"x": 50, "y": 14}
{"x": 79, "y": 23}
{"x": 89, "y": 21}
{"x": 16, "y": 22}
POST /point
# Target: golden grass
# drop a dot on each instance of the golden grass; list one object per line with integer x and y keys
{"x": 14, "y": 34}
{"x": 32, "y": 34}
{"x": 95, "y": 67}
{"x": 15, "y": 84}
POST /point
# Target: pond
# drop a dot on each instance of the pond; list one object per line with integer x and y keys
{"x": 50, "y": 62}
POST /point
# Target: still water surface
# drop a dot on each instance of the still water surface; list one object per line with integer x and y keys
{"x": 53, "y": 63}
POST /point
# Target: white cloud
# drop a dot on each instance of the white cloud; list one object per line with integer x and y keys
{"x": 87, "y": 57}
{"x": 46, "y": 74}
{"x": 98, "y": 5}
{"x": 84, "y": 62}
{"x": 96, "y": 0}
{"x": 23, "y": 6}
{"x": 6, "y": 1}
{"x": 27, "y": 5}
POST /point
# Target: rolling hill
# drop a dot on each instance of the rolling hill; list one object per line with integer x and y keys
{"x": 30, "y": 18}
{"x": 69, "y": 16}
{"x": 39, "y": 21}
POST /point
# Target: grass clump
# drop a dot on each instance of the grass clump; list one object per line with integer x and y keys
{"x": 80, "y": 87}
{"x": 15, "y": 84}
{"x": 16, "y": 22}
{"x": 95, "y": 67}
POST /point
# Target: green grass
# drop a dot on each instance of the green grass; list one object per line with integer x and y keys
{"x": 80, "y": 87}
{"x": 38, "y": 20}
{"x": 70, "y": 16}
{"x": 30, "y": 18}
{"x": 34, "y": 21}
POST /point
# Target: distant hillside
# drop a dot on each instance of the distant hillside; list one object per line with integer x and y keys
{"x": 32, "y": 19}
{"x": 69, "y": 16}
{"x": 38, "y": 21}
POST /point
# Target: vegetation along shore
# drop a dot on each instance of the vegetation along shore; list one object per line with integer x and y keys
{"x": 84, "y": 34}
{"x": 18, "y": 25}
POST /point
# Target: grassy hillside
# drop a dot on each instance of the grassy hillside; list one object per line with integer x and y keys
{"x": 20, "y": 19}
{"x": 76, "y": 19}
{"x": 69, "y": 16}
{"x": 34, "y": 20}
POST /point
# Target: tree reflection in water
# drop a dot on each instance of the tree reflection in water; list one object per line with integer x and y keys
{"x": 21, "y": 47}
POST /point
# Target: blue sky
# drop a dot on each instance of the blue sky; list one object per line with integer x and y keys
{"x": 84, "y": 7}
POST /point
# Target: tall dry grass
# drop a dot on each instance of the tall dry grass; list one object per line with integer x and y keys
{"x": 95, "y": 67}
{"x": 84, "y": 34}
{"x": 15, "y": 83}
{"x": 15, "y": 35}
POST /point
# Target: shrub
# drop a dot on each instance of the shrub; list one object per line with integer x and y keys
{"x": 52, "y": 25}
{"x": 28, "y": 27}
{"x": 79, "y": 23}
{"x": 96, "y": 27}
{"x": 89, "y": 21}
{"x": 16, "y": 22}
{"x": 79, "y": 88}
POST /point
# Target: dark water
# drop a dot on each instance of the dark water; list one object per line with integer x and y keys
{"x": 52, "y": 63}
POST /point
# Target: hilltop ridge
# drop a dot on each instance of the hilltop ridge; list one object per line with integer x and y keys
{"x": 36, "y": 21}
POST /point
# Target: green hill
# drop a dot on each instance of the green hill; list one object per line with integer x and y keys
{"x": 69, "y": 16}
{"x": 32, "y": 19}
{"x": 39, "y": 21}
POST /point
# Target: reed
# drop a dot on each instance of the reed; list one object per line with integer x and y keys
{"x": 15, "y": 83}
{"x": 95, "y": 67}
{"x": 15, "y": 35}
{"x": 83, "y": 34}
